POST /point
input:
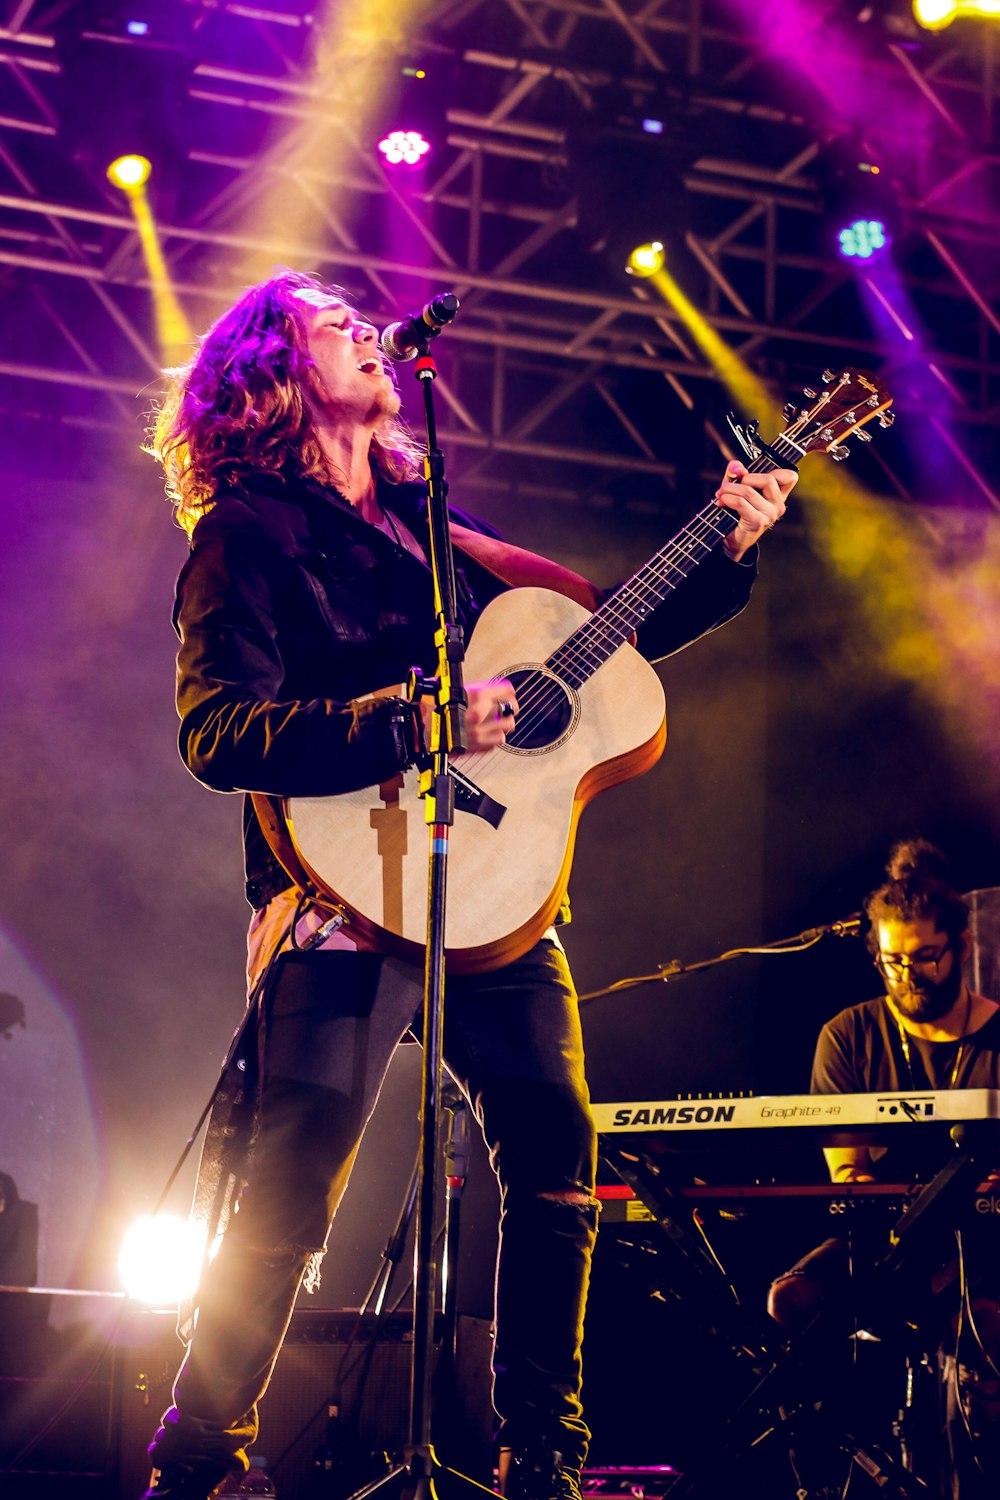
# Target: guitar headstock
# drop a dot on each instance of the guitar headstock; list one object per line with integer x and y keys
{"x": 843, "y": 409}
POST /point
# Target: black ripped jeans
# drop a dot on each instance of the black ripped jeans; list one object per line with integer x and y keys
{"x": 333, "y": 1020}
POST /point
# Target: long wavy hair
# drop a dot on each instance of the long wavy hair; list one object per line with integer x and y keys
{"x": 239, "y": 407}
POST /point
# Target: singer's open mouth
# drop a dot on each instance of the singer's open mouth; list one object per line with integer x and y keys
{"x": 371, "y": 366}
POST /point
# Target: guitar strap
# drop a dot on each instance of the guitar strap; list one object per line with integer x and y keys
{"x": 522, "y": 569}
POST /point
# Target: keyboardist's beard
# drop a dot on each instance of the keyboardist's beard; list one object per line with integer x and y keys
{"x": 928, "y": 1000}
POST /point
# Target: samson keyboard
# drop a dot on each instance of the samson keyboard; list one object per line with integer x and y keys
{"x": 854, "y": 1116}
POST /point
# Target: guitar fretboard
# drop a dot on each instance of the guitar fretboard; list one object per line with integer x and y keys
{"x": 621, "y": 614}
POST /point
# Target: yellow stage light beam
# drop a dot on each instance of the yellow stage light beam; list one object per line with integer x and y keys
{"x": 173, "y": 331}
{"x": 927, "y": 590}
{"x": 749, "y": 393}
{"x": 359, "y": 43}
{"x": 921, "y": 619}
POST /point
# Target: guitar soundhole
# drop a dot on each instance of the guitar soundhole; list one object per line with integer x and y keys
{"x": 548, "y": 710}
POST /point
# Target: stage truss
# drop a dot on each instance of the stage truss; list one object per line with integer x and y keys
{"x": 562, "y": 377}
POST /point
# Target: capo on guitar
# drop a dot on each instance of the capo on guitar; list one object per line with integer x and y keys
{"x": 753, "y": 444}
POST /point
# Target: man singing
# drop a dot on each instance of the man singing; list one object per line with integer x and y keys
{"x": 305, "y": 599}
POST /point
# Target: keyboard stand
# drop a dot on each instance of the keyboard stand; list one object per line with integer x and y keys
{"x": 786, "y": 1400}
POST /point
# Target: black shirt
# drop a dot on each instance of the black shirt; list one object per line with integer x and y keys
{"x": 860, "y": 1051}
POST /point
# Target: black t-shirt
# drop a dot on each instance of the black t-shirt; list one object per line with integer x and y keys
{"x": 860, "y": 1051}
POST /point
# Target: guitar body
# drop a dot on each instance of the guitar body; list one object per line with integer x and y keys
{"x": 369, "y": 849}
{"x": 595, "y": 720}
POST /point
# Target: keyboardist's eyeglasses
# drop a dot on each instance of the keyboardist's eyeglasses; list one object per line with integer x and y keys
{"x": 924, "y": 961}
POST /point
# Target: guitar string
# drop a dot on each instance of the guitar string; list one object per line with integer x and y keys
{"x": 538, "y": 695}
{"x": 587, "y": 647}
{"x": 616, "y": 617}
{"x": 585, "y": 650}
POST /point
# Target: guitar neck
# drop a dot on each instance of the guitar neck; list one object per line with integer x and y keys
{"x": 843, "y": 409}
{"x": 632, "y": 602}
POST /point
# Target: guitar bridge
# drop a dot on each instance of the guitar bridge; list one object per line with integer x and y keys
{"x": 471, "y": 799}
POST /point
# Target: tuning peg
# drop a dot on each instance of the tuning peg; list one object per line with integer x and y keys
{"x": 827, "y": 376}
{"x": 789, "y": 410}
{"x": 807, "y": 390}
{"x": 886, "y": 418}
{"x": 863, "y": 435}
{"x": 840, "y": 453}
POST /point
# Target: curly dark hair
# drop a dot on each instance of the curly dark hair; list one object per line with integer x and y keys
{"x": 238, "y": 407}
{"x": 917, "y": 889}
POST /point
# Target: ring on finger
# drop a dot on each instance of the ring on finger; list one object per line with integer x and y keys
{"x": 505, "y": 710}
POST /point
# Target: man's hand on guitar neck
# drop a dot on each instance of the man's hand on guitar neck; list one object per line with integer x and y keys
{"x": 758, "y": 500}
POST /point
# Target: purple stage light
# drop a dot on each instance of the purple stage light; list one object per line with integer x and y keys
{"x": 137, "y": 28}
{"x": 863, "y": 238}
{"x": 653, "y": 127}
{"x": 404, "y": 148}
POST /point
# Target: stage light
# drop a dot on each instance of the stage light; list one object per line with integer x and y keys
{"x": 137, "y": 28}
{"x": 646, "y": 260}
{"x": 863, "y": 238}
{"x": 935, "y": 14}
{"x": 161, "y": 1258}
{"x": 130, "y": 172}
{"x": 404, "y": 147}
{"x": 862, "y": 213}
{"x": 653, "y": 127}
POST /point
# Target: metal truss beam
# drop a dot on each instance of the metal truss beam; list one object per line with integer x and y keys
{"x": 548, "y": 336}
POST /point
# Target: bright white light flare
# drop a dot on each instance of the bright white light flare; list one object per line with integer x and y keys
{"x": 160, "y": 1259}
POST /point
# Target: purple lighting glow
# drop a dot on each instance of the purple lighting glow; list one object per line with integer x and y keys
{"x": 404, "y": 147}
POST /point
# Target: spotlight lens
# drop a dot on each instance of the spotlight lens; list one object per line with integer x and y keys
{"x": 404, "y": 147}
{"x": 129, "y": 171}
{"x": 160, "y": 1259}
{"x": 863, "y": 239}
{"x": 646, "y": 260}
{"x": 935, "y": 13}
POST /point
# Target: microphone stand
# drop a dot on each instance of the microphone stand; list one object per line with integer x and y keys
{"x": 437, "y": 787}
{"x": 846, "y": 927}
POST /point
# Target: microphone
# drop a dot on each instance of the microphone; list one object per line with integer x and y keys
{"x": 846, "y": 927}
{"x": 404, "y": 340}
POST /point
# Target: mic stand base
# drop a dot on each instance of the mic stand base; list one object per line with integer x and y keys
{"x": 424, "y": 1477}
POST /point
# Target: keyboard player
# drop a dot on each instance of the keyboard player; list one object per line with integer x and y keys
{"x": 927, "y": 1031}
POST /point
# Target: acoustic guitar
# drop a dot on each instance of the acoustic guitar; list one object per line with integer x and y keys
{"x": 591, "y": 714}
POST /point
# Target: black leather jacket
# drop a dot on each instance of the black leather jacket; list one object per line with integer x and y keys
{"x": 290, "y": 606}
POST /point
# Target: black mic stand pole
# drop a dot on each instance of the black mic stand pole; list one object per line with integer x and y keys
{"x": 437, "y": 789}
{"x": 456, "y": 1162}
